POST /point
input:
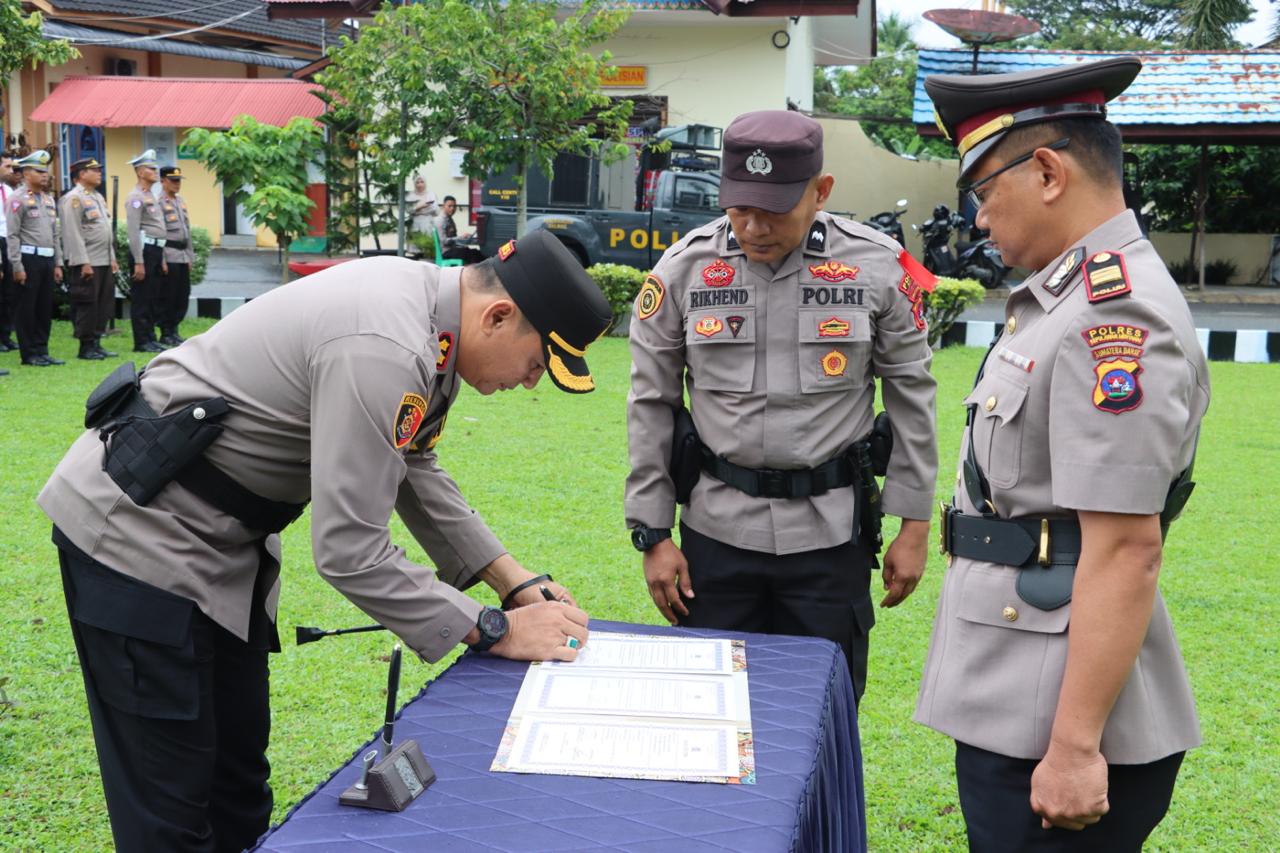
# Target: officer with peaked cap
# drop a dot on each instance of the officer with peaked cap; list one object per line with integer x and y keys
{"x": 89, "y": 251}
{"x": 35, "y": 251}
{"x": 333, "y": 393}
{"x": 145, "y": 227}
{"x": 779, "y": 318}
{"x": 179, "y": 255}
{"x": 1053, "y": 662}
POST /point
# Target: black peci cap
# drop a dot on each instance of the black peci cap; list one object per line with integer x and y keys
{"x": 975, "y": 111}
{"x": 560, "y": 300}
{"x": 769, "y": 158}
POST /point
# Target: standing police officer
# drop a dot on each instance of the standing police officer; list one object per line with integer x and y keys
{"x": 779, "y": 318}
{"x": 335, "y": 393}
{"x": 146, "y": 230}
{"x": 179, "y": 255}
{"x": 8, "y": 290}
{"x": 35, "y": 251}
{"x": 1053, "y": 662}
{"x": 89, "y": 250}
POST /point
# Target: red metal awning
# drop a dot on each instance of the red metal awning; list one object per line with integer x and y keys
{"x": 177, "y": 101}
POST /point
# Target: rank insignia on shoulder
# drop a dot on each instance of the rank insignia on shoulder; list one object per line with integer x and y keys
{"x": 649, "y": 299}
{"x": 834, "y": 363}
{"x": 717, "y": 274}
{"x": 709, "y": 326}
{"x": 506, "y": 250}
{"x": 1105, "y": 276}
{"x": 1117, "y": 389}
{"x": 735, "y": 322}
{"x": 731, "y": 242}
{"x": 1062, "y": 273}
{"x": 817, "y": 241}
{"x": 446, "y": 349}
{"x": 834, "y": 271}
{"x": 412, "y": 411}
{"x": 833, "y": 327}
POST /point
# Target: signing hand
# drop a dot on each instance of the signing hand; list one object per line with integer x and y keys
{"x": 666, "y": 572}
{"x": 904, "y": 562}
{"x": 539, "y": 632}
{"x": 1069, "y": 790}
{"x": 533, "y": 595}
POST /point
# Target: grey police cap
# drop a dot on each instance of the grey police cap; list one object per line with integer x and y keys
{"x": 769, "y": 158}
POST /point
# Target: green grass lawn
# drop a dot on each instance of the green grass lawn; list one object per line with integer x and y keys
{"x": 546, "y": 469}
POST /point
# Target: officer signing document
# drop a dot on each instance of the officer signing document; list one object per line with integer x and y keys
{"x": 333, "y": 392}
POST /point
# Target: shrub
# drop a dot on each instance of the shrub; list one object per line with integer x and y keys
{"x": 619, "y": 283}
{"x": 424, "y": 244}
{"x": 200, "y": 241}
{"x": 1220, "y": 271}
{"x": 947, "y": 302}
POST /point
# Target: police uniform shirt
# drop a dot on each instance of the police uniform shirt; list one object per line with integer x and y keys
{"x": 781, "y": 367}
{"x": 177, "y": 226}
{"x": 142, "y": 215}
{"x": 1082, "y": 405}
{"x": 352, "y": 386}
{"x": 32, "y": 220}
{"x": 86, "y": 229}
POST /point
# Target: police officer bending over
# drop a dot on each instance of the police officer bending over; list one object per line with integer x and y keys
{"x": 166, "y": 512}
{"x": 1053, "y": 662}
{"x": 779, "y": 318}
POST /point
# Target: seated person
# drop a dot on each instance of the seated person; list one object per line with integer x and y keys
{"x": 453, "y": 247}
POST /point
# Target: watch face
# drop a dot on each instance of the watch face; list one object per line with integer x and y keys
{"x": 493, "y": 622}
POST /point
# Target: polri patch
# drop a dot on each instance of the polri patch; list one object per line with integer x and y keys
{"x": 412, "y": 411}
{"x": 709, "y": 326}
{"x": 1115, "y": 333}
{"x": 817, "y": 241}
{"x": 833, "y": 327}
{"x": 717, "y": 274}
{"x": 834, "y": 271}
{"x": 649, "y": 299}
{"x": 1062, "y": 273}
{"x": 1117, "y": 389}
{"x": 506, "y": 250}
{"x": 1105, "y": 276}
{"x": 446, "y": 350}
{"x": 735, "y": 322}
{"x": 834, "y": 363}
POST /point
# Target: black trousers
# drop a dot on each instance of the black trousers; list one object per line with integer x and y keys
{"x": 145, "y": 296}
{"x": 180, "y": 712}
{"x": 995, "y": 796}
{"x": 93, "y": 301}
{"x": 824, "y": 593}
{"x": 8, "y": 293}
{"x": 177, "y": 296}
{"x": 34, "y": 314}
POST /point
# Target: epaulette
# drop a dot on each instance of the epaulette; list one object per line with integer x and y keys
{"x": 1105, "y": 277}
{"x": 702, "y": 232}
{"x": 865, "y": 232}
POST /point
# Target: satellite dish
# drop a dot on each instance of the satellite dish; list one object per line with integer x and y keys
{"x": 977, "y": 27}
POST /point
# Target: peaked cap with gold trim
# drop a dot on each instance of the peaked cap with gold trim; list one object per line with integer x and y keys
{"x": 560, "y": 300}
{"x": 975, "y": 111}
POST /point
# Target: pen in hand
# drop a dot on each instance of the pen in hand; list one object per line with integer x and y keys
{"x": 547, "y": 594}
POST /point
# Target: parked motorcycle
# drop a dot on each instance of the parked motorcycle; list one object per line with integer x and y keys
{"x": 977, "y": 259}
{"x": 887, "y": 221}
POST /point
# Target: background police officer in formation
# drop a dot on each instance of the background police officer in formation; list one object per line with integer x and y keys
{"x": 147, "y": 232}
{"x": 779, "y": 318}
{"x": 88, "y": 240}
{"x": 8, "y": 290}
{"x": 35, "y": 253}
{"x": 1053, "y": 662}
{"x": 179, "y": 255}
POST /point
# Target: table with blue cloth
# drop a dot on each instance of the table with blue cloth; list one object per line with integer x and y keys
{"x": 807, "y": 797}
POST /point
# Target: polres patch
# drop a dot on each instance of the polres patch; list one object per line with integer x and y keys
{"x": 834, "y": 271}
{"x": 1117, "y": 389}
{"x": 446, "y": 350}
{"x": 649, "y": 299}
{"x": 1115, "y": 333}
{"x": 412, "y": 411}
{"x": 718, "y": 274}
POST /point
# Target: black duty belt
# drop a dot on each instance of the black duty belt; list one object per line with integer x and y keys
{"x": 835, "y": 473}
{"x": 1018, "y": 542}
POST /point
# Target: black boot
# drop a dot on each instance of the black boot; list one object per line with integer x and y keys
{"x": 88, "y": 351}
{"x": 106, "y": 353}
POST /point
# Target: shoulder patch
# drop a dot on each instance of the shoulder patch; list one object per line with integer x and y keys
{"x": 649, "y": 299}
{"x": 75, "y": 202}
{"x": 1105, "y": 276}
{"x": 446, "y": 350}
{"x": 916, "y": 271}
{"x": 136, "y": 203}
{"x": 1117, "y": 389}
{"x": 1061, "y": 274}
{"x": 412, "y": 411}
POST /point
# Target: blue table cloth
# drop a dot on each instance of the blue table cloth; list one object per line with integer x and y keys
{"x": 808, "y": 794}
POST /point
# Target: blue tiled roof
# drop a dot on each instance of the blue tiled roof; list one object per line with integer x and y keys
{"x": 1173, "y": 88}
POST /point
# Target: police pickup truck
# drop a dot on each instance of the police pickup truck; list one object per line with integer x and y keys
{"x": 626, "y": 212}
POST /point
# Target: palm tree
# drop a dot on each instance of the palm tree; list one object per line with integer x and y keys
{"x": 893, "y": 35}
{"x": 1207, "y": 24}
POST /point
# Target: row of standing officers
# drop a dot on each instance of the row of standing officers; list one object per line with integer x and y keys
{"x": 77, "y": 232}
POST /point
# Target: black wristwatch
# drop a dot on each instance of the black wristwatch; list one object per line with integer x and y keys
{"x": 644, "y": 538}
{"x": 493, "y": 626}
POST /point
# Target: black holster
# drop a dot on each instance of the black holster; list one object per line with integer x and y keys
{"x": 870, "y": 457}
{"x": 685, "y": 466}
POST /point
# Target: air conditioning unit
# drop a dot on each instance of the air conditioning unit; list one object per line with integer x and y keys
{"x": 121, "y": 67}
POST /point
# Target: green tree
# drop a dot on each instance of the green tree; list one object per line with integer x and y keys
{"x": 1207, "y": 24}
{"x": 264, "y": 168}
{"x": 1102, "y": 24}
{"x": 22, "y": 41}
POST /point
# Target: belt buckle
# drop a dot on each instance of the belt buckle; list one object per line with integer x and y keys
{"x": 773, "y": 483}
{"x": 1044, "y": 542}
